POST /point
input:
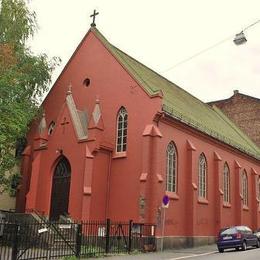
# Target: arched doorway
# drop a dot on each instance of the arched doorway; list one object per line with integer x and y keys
{"x": 60, "y": 189}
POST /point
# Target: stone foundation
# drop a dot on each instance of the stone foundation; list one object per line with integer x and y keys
{"x": 184, "y": 242}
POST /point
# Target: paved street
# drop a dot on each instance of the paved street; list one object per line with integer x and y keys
{"x": 251, "y": 254}
{"x": 203, "y": 253}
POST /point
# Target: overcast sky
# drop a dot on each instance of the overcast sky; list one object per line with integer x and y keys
{"x": 161, "y": 34}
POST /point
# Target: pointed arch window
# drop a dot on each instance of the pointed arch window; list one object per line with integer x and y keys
{"x": 121, "y": 130}
{"x": 51, "y": 127}
{"x": 245, "y": 188}
{"x": 226, "y": 183}
{"x": 202, "y": 176}
{"x": 171, "y": 168}
{"x": 258, "y": 188}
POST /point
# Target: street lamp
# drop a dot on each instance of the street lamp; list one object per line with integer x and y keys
{"x": 240, "y": 38}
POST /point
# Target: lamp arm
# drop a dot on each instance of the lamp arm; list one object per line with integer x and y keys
{"x": 251, "y": 25}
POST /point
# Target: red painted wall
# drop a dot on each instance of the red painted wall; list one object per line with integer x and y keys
{"x": 100, "y": 186}
{"x": 117, "y": 181}
{"x": 176, "y": 217}
{"x": 111, "y": 84}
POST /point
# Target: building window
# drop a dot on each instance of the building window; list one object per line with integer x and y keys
{"x": 202, "y": 176}
{"x": 258, "y": 188}
{"x": 86, "y": 82}
{"x": 121, "y": 130}
{"x": 226, "y": 183}
{"x": 171, "y": 168}
{"x": 51, "y": 127}
{"x": 245, "y": 188}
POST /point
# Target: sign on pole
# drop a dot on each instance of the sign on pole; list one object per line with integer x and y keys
{"x": 165, "y": 205}
{"x": 165, "y": 201}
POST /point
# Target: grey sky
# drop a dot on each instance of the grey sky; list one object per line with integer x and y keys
{"x": 161, "y": 34}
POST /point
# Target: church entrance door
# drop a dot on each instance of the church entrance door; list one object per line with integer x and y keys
{"x": 60, "y": 189}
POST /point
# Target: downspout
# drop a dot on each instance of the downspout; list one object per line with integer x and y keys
{"x": 157, "y": 118}
{"x": 108, "y": 185}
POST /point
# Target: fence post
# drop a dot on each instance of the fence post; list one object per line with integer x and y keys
{"x": 15, "y": 242}
{"x": 78, "y": 239}
{"x": 107, "y": 235}
{"x": 130, "y": 236}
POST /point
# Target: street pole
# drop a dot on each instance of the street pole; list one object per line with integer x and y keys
{"x": 163, "y": 227}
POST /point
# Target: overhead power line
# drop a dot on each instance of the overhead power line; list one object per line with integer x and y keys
{"x": 207, "y": 49}
{"x": 198, "y": 53}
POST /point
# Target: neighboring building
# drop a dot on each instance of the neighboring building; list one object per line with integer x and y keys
{"x": 116, "y": 137}
{"x": 8, "y": 195}
{"x": 244, "y": 111}
{"x": 7, "y": 202}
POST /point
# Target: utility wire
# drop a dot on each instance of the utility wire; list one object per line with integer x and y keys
{"x": 207, "y": 49}
{"x": 251, "y": 25}
{"x": 198, "y": 53}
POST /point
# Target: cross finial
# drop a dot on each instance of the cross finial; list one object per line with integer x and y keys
{"x": 97, "y": 99}
{"x": 94, "y": 17}
{"x": 69, "y": 91}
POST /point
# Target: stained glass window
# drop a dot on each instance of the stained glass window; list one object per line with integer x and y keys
{"x": 202, "y": 176}
{"x": 121, "y": 130}
{"x": 171, "y": 168}
{"x": 226, "y": 183}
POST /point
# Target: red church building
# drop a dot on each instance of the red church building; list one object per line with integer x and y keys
{"x": 115, "y": 137}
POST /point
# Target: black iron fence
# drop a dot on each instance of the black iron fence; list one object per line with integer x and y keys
{"x": 52, "y": 240}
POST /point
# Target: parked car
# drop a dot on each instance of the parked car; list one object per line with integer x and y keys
{"x": 236, "y": 237}
{"x": 257, "y": 233}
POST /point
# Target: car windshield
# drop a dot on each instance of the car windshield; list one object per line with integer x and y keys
{"x": 229, "y": 231}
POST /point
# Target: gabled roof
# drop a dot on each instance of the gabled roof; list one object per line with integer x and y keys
{"x": 236, "y": 94}
{"x": 183, "y": 106}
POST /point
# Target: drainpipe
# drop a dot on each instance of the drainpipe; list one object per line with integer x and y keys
{"x": 108, "y": 185}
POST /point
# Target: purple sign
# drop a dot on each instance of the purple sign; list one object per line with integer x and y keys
{"x": 165, "y": 200}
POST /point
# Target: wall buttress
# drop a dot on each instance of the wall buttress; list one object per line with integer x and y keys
{"x": 192, "y": 190}
{"x": 218, "y": 193}
{"x": 87, "y": 182}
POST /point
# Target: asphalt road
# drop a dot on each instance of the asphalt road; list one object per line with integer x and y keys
{"x": 250, "y": 254}
{"x": 197, "y": 253}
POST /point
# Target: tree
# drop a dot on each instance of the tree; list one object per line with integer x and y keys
{"x": 24, "y": 77}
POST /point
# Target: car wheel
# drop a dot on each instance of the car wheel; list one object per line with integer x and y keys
{"x": 257, "y": 244}
{"x": 221, "y": 250}
{"x": 237, "y": 248}
{"x": 244, "y": 247}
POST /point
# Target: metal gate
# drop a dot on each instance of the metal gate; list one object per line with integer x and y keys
{"x": 49, "y": 240}
{"x": 39, "y": 241}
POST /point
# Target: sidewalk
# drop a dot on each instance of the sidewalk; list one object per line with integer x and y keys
{"x": 167, "y": 254}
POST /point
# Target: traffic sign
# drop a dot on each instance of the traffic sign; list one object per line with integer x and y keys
{"x": 165, "y": 201}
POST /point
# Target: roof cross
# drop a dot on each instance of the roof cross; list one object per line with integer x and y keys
{"x": 94, "y": 17}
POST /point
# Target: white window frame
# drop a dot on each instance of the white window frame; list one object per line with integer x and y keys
{"x": 202, "y": 176}
{"x": 51, "y": 127}
{"x": 245, "y": 188}
{"x": 121, "y": 137}
{"x": 258, "y": 188}
{"x": 226, "y": 183}
{"x": 171, "y": 168}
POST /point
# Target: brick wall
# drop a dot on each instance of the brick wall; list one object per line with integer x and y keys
{"x": 244, "y": 111}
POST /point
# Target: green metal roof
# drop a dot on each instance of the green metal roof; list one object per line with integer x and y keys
{"x": 182, "y": 106}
